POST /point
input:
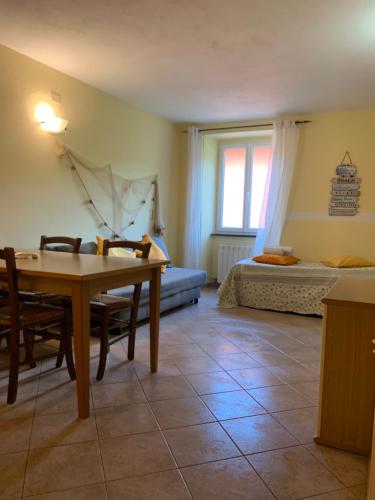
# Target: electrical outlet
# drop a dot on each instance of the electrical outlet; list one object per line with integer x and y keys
{"x": 56, "y": 97}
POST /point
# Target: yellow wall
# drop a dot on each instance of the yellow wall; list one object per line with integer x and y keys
{"x": 308, "y": 228}
{"x": 39, "y": 194}
{"x": 324, "y": 141}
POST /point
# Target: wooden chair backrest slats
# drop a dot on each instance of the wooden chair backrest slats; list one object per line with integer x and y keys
{"x": 144, "y": 248}
{"x": 11, "y": 279}
{"x": 75, "y": 243}
{"x": 134, "y": 245}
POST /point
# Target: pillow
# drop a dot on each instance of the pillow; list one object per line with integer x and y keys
{"x": 114, "y": 252}
{"x": 155, "y": 251}
{"x": 348, "y": 261}
{"x": 278, "y": 260}
{"x": 161, "y": 244}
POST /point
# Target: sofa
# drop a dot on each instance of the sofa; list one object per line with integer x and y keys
{"x": 179, "y": 286}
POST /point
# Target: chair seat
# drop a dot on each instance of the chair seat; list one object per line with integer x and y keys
{"x": 32, "y": 314}
{"x": 111, "y": 302}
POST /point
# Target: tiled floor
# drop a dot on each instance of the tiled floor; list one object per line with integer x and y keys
{"x": 230, "y": 415}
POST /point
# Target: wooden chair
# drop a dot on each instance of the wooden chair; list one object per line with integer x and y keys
{"x": 75, "y": 244}
{"x": 106, "y": 308}
{"x": 33, "y": 319}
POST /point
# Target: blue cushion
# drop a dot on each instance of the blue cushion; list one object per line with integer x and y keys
{"x": 176, "y": 280}
{"x": 161, "y": 244}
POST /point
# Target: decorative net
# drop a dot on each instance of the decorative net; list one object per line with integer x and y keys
{"x": 115, "y": 200}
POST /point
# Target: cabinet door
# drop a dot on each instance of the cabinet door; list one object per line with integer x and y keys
{"x": 348, "y": 384}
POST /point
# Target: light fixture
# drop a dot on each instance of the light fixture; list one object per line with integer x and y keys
{"x": 48, "y": 121}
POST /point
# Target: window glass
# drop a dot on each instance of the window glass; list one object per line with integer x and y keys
{"x": 261, "y": 162}
{"x": 233, "y": 187}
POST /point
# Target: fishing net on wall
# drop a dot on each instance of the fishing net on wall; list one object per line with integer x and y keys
{"x": 114, "y": 200}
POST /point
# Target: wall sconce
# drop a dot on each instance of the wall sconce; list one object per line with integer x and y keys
{"x": 48, "y": 121}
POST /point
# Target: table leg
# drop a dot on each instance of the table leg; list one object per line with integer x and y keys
{"x": 81, "y": 335}
{"x": 154, "y": 318}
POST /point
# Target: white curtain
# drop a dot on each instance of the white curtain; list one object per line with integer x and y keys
{"x": 279, "y": 180}
{"x": 192, "y": 246}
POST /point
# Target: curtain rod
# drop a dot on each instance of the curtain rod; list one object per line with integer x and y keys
{"x": 298, "y": 122}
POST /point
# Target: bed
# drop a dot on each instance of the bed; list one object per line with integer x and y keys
{"x": 298, "y": 288}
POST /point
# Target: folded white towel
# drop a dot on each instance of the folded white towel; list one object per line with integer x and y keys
{"x": 279, "y": 250}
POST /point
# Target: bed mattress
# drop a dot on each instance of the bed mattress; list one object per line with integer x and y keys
{"x": 298, "y": 288}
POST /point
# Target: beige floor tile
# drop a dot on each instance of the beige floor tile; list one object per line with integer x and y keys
{"x": 344, "y": 494}
{"x": 62, "y": 467}
{"x": 200, "y": 443}
{"x": 53, "y": 379}
{"x": 301, "y": 423}
{"x": 174, "y": 338}
{"x": 253, "y": 378}
{"x": 258, "y": 433}
{"x": 313, "y": 366}
{"x": 181, "y": 412}
{"x": 279, "y": 398}
{"x": 166, "y": 485}
{"x": 201, "y": 364}
{"x": 65, "y": 428}
{"x": 293, "y": 473}
{"x": 235, "y": 361}
{"x": 349, "y": 468}
{"x": 167, "y": 388}
{"x": 225, "y": 480}
{"x": 119, "y": 371}
{"x": 53, "y": 400}
{"x": 304, "y": 355}
{"x": 212, "y": 383}
{"x": 92, "y": 492}
{"x": 271, "y": 358}
{"x": 293, "y": 373}
{"x": 219, "y": 347}
{"x": 22, "y": 408}
{"x": 360, "y": 491}
{"x": 12, "y": 472}
{"x": 166, "y": 368}
{"x": 184, "y": 351}
{"x": 15, "y": 435}
{"x": 135, "y": 455}
{"x": 117, "y": 394}
{"x": 126, "y": 419}
{"x": 309, "y": 390}
{"x": 235, "y": 404}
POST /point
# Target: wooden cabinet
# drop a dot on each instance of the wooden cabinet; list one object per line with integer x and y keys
{"x": 347, "y": 387}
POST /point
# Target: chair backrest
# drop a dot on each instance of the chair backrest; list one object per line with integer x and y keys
{"x": 144, "y": 248}
{"x": 10, "y": 279}
{"x": 75, "y": 243}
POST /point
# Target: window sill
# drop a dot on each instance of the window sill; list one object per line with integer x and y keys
{"x": 236, "y": 235}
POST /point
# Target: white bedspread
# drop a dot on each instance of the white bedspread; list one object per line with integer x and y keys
{"x": 299, "y": 288}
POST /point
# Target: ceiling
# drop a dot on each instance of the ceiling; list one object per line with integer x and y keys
{"x": 206, "y": 60}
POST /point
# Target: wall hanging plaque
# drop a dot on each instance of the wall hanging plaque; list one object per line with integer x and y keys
{"x": 345, "y": 188}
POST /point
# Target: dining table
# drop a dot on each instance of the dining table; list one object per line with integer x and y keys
{"x": 80, "y": 277}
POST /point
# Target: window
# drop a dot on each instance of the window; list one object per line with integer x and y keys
{"x": 242, "y": 180}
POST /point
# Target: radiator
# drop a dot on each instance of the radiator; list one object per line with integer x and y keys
{"x": 229, "y": 255}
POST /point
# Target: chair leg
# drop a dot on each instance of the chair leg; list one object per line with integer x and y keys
{"x": 14, "y": 362}
{"x": 28, "y": 338}
{"x": 132, "y": 332}
{"x": 66, "y": 337}
{"x": 104, "y": 345}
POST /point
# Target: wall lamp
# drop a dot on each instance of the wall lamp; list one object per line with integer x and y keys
{"x": 47, "y": 120}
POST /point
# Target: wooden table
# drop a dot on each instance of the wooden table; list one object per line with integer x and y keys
{"x": 80, "y": 277}
{"x": 347, "y": 391}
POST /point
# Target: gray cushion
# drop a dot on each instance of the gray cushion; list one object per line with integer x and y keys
{"x": 174, "y": 281}
{"x": 87, "y": 248}
{"x": 161, "y": 244}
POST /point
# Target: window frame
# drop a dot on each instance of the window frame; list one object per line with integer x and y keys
{"x": 246, "y": 230}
